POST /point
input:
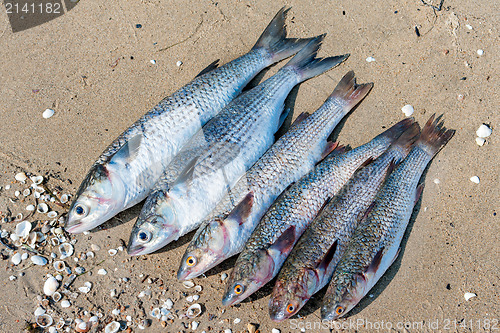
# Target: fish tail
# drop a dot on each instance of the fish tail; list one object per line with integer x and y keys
{"x": 408, "y": 138}
{"x": 274, "y": 40}
{"x": 307, "y": 65}
{"x": 350, "y": 92}
{"x": 434, "y": 135}
{"x": 396, "y": 130}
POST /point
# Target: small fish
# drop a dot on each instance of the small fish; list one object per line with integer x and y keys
{"x": 310, "y": 264}
{"x": 375, "y": 244}
{"x": 289, "y": 215}
{"x": 235, "y": 140}
{"x": 127, "y": 170}
{"x": 291, "y": 157}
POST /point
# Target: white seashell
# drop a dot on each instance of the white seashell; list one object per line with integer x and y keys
{"x": 480, "y": 141}
{"x": 16, "y": 259}
{"x": 168, "y": 304}
{"x": 83, "y": 327}
{"x": 58, "y": 231}
{"x": 193, "y": 311}
{"x": 275, "y": 330}
{"x": 39, "y": 311}
{"x": 95, "y": 247}
{"x": 37, "y": 180}
{"x": 26, "y": 192}
{"x": 64, "y": 198}
{"x": 40, "y": 237}
{"x": 7, "y": 187}
{"x": 36, "y": 195}
{"x": 24, "y": 256}
{"x": 102, "y": 271}
{"x": 23, "y": 229}
{"x": 188, "y": 284}
{"x": 93, "y": 319}
{"x": 51, "y": 214}
{"x": 112, "y": 293}
{"x": 12, "y": 278}
{"x": 79, "y": 270}
{"x": 65, "y": 304}
{"x": 54, "y": 241}
{"x": 468, "y": 296}
{"x": 164, "y": 312}
{"x": 198, "y": 288}
{"x": 90, "y": 255}
{"x": 179, "y": 63}
{"x": 56, "y": 296}
{"x": 474, "y": 179}
{"x": 152, "y": 61}
{"x": 484, "y": 131}
{"x": 189, "y": 299}
{"x": 48, "y": 113}
{"x": 66, "y": 250}
{"x": 84, "y": 289}
{"x": 196, "y": 297}
{"x": 44, "y": 320}
{"x": 223, "y": 276}
{"x": 17, "y": 193}
{"x": 32, "y": 237}
{"x": 39, "y": 260}
{"x": 480, "y": 52}
{"x": 141, "y": 294}
{"x": 112, "y": 252}
{"x": 120, "y": 248}
{"x": 194, "y": 325}
{"x": 21, "y": 177}
{"x": 112, "y": 327}
{"x": 156, "y": 313}
{"x": 42, "y": 208}
{"x": 237, "y": 320}
{"x": 370, "y": 59}
{"x": 50, "y": 286}
{"x": 115, "y": 312}
{"x": 30, "y": 208}
{"x": 408, "y": 110}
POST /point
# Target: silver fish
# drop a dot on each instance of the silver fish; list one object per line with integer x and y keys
{"x": 127, "y": 170}
{"x": 375, "y": 243}
{"x": 291, "y": 157}
{"x": 310, "y": 264}
{"x": 273, "y": 238}
{"x": 236, "y": 138}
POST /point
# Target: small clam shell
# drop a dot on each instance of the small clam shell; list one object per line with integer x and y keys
{"x": 168, "y": 304}
{"x": 42, "y": 208}
{"x": 26, "y": 192}
{"x": 484, "y": 131}
{"x": 59, "y": 265}
{"x": 193, "y": 311}
{"x": 468, "y": 296}
{"x": 90, "y": 255}
{"x": 16, "y": 258}
{"x": 32, "y": 238}
{"x": 188, "y": 284}
{"x": 112, "y": 327}
{"x": 79, "y": 270}
{"x": 19, "y": 217}
{"x": 56, "y": 296}
{"x": 52, "y": 214}
{"x": 83, "y": 327}
{"x": 112, "y": 252}
{"x": 44, "y": 320}
{"x": 37, "y": 180}
{"x": 102, "y": 271}
{"x": 39, "y": 260}
{"x": 66, "y": 250}
{"x": 156, "y": 313}
{"x": 64, "y": 198}
{"x": 39, "y": 311}
{"x": 30, "y": 208}
{"x": 198, "y": 288}
{"x": 23, "y": 229}
{"x": 65, "y": 304}
{"x": 21, "y": 177}
{"x": 50, "y": 286}
{"x": 54, "y": 241}
{"x": 24, "y": 256}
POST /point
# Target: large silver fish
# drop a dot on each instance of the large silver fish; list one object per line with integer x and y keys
{"x": 375, "y": 244}
{"x": 291, "y": 157}
{"x": 284, "y": 222}
{"x": 310, "y": 264}
{"x": 126, "y": 171}
{"x": 236, "y": 138}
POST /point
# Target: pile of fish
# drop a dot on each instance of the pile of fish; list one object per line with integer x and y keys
{"x": 302, "y": 208}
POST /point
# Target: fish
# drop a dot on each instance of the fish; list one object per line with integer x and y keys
{"x": 236, "y": 138}
{"x": 375, "y": 244}
{"x": 285, "y": 220}
{"x": 310, "y": 264}
{"x": 127, "y": 170}
{"x": 291, "y": 157}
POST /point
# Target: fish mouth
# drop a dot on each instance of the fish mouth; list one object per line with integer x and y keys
{"x": 74, "y": 227}
{"x": 135, "y": 250}
{"x": 228, "y": 300}
{"x": 184, "y": 274}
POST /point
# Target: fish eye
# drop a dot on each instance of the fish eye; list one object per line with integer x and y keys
{"x": 144, "y": 236}
{"x": 290, "y": 308}
{"x": 339, "y": 310}
{"x": 238, "y": 289}
{"x": 80, "y": 210}
{"x": 191, "y": 261}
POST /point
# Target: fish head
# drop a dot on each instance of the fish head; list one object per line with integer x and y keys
{"x": 156, "y": 226}
{"x": 342, "y": 295}
{"x": 100, "y": 197}
{"x": 289, "y": 297}
{"x": 206, "y": 250}
{"x": 252, "y": 270}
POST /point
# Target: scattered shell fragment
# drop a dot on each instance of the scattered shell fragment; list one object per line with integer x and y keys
{"x": 39, "y": 260}
{"x": 474, "y": 179}
{"x": 65, "y": 304}
{"x": 64, "y": 198}
{"x": 480, "y": 141}
{"x": 115, "y": 312}
{"x": 39, "y": 311}
{"x": 50, "y": 286}
{"x": 468, "y": 26}
{"x": 32, "y": 238}
{"x": 408, "y": 110}
{"x": 54, "y": 241}
{"x": 86, "y": 287}
{"x": 468, "y": 296}
{"x": 484, "y": 131}
{"x": 12, "y": 277}
{"x": 168, "y": 304}
{"x": 56, "y": 296}
{"x": 83, "y": 327}
{"x": 23, "y": 229}
{"x": 188, "y": 284}
{"x": 193, "y": 311}
{"x": 102, "y": 271}
{"x": 24, "y": 256}
{"x": 237, "y": 320}
{"x": 480, "y": 52}
{"x": 437, "y": 181}
{"x": 16, "y": 258}
{"x": 112, "y": 252}
{"x": 179, "y": 63}
{"x": 42, "y": 208}
{"x": 26, "y": 192}
{"x": 95, "y": 247}
{"x": 37, "y": 180}
{"x": 52, "y": 214}
{"x": 66, "y": 250}
{"x": 48, "y": 113}
{"x": 152, "y": 61}
{"x": 194, "y": 325}
{"x": 370, "y": 59}
{"x": 156, "y": 313}
{"x": 223, "y": 276}
{"x": 21, "y": 177}
{"x": 44, "y": 320}
{"x": 198, "y": 288}
{"x": 252, "y": 328}
{"x": 30, "y": 208}
{"x": 17, "y": 193}
{"x": 275, "y": 330}
{"x": 90, "y": 255}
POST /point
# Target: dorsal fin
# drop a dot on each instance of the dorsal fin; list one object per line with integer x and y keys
{"x": 128, "y": 151}
{"x": 367, "y": 162}
{"x": 209, "y": 68}
{"x": 300, "y": 117}
{"x": 242, "y": 210}
{"x": 327, "y": 259}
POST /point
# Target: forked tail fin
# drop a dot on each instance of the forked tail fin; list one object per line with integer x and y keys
{"x": 350, "y": 92}
{"x": 434, "y": 136}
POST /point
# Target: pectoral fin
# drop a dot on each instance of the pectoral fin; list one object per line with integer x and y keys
{"x": 285, "y": 241}
{"x": 242, "y": 210}
{"x": 327, "y": 259}
{"x": 128, "y": 151}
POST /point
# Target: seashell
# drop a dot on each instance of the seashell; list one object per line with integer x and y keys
{"x": 39, "y": 311}
{"x": 47, "y": 113}
{"x": 79, "y": 270}
{"x": 14, "y": 237}
{"x": 23, "y": 229}
{"x": 17, "y": 193}
{"x": 115, "y": 312}
{"x": 83, "y": 327}
{"x": 198, "y": 288}
{"x": 90, "y": 255}
{"x": 164, "y": 312}
{"x": 54, "y": 241}
{"x": 196, "y": 297}
{"x": 39, "y": 260}
{"x": 102, "y": 271}
{"x": 37, "y": 180}
{"x": 59, "y": 265}
{"x": 95, "y": 247}
{"x": 16, "y": 259}
{"x": 168, "y": 304}
{"x": 193, "y": 311}
{"x": 484, "y": 131}
{"x": 21, "y": 177}
{"x": 468, "y": 296}
{"x": 61, "y": 323}
{"x": 50, "y": 286}
{"x": 45, "y": 228}
{"x": 30, "y": 208}
{"x": 64, "y": 198}
{"x": 93, "y": 319}
{"x": 475, "y": 179}
{"x": 58, "y": 231}
{"x": 19, "y": 217}
{"x": 36, "y": 195}
{"x": 156, "y": 313}
{"x": 86, "y": 287}
{"x": 24, "y": 256}
{"x": 480, "y": 141}
{"x": 26, "y": 192}
{"x": 44, "y": 320}
{"x": 112, "y": 327}
{"x": 59, "y": 277}
{"x": 40, "y": 237}
{"x": 52, "y": 214}
{"x": 66, "y": 250}
{"x": 194, "y": 325}
{"x": 407, "y": 110}
{"x": 223, "y": 276}
{"x": 112, "y": 252}
{"x": 32, "y": 237}
{"x": 42, "y": 208}
{"x": 190, "y": 299}
{"x": 65, "y": 304}
{"x": 188, "y": 284}
{"x": 56, "y": 296}
{"x": 237, "y": 320}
